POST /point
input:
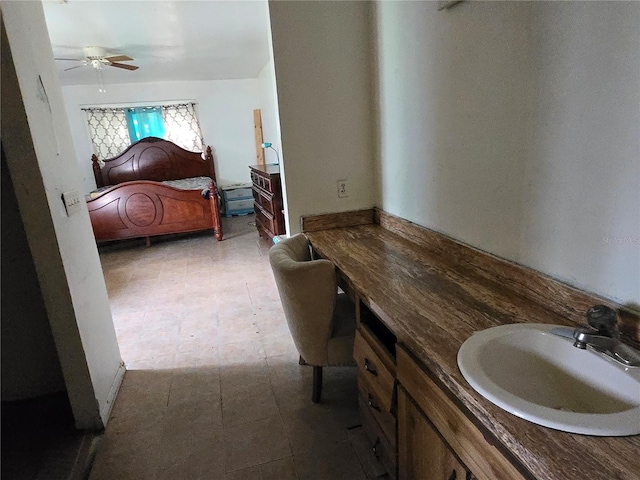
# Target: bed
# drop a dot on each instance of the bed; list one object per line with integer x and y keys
{"x": 137, "y": 194}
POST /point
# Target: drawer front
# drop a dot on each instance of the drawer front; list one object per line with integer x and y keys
{"x": 237, "y": 193}
{"x": 266, "y": 183}
{"x": 244, "y": 204}
{"x": 264, "y": 219}
{"x": 382, "y": 449}
{"x": 385, "y": 420}
{"x": 374, "y": 373}
{"x": 264, "y": 199}
{"x": 262, "y": 182}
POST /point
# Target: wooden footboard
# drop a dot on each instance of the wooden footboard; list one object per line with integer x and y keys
{"x": 144, "y": 209}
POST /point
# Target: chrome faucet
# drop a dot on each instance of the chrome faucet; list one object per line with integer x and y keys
{"x": 605, "y": 322}
{"x": 604, "y": 337}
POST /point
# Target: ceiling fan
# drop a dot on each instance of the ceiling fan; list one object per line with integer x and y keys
{"x": 97, "y": 57}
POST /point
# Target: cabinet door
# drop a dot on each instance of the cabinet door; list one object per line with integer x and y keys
{"x": 422, "y": 453}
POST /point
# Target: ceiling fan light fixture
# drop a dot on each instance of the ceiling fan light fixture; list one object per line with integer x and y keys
{"x": 94, "y": 53}
{"x": 98, "y": 58}
{"x": 101, "y": 87}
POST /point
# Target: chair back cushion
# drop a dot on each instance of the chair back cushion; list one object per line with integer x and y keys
{"x": 307, "y": 290}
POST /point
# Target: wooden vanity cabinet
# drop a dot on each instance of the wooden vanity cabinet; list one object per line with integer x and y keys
{"x": 374, "y": 353}
{"x": 417, "y": 431}
{"x": 412, "y": 278}
{"x": 423, "y": 453}
{"x": 475, "y": 448}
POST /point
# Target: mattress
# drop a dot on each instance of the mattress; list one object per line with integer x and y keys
{"x": 193, "y": 183}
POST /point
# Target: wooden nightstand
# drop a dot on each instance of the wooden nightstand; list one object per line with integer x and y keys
{"x": 238, "y": 199}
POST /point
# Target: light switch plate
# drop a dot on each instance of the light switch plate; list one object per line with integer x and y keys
{"x": 71, "y": 200}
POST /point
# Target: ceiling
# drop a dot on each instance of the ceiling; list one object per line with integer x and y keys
{"x": 169, "y": 40}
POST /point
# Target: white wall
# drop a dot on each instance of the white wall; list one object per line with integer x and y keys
{"x": 41, "y": 158}
{"x": 225, "y": 110}
{"x": 322, "y": 62}
{"x": 513, "y": 126}
{"x": 269, "y": 111}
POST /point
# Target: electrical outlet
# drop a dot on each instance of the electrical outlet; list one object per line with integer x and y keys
{"x": 343, "y": 189}
{"x": 71, "y": 200}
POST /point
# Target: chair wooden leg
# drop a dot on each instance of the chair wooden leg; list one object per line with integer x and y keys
{"x": 317, "y": 384}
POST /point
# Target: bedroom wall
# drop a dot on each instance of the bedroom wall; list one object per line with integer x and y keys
{"x": 225, "y": 110}
{"x": 513, "y": 126}
{"x": 39, "y": 150}
{"x": 322, "y": 60}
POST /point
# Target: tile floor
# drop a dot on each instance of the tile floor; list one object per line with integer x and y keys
{"x": 213, "y": 389}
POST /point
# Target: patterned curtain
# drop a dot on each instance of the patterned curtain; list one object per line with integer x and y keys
{"x": 108, "y": 128}
{"x": 114, "y": 129}
{"x": 182, "y": 127}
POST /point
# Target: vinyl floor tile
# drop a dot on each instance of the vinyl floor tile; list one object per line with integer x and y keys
{"x": 255, "y": 443}
{"x": 213, "y": 388}
{"x": 332, "y": 462}
{"x": 279, "y": 470}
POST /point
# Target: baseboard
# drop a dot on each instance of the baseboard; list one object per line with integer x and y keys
{"x": 105, "y": 410}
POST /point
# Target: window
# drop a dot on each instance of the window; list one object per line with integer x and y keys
{"x": 144, "y": 122}
{"x": 114, "y": 129}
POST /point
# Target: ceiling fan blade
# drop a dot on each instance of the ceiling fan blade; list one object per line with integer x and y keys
{"x": 71, "y": 59}
{"x": 122, "y": 65}
{"x": 118, "y": 58}
{"x": 71, "y": 68}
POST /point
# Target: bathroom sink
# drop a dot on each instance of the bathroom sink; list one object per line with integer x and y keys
{"x": 541, "y": 377}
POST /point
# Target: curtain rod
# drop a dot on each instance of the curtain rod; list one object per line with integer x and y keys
{"x": 125, "y": 106}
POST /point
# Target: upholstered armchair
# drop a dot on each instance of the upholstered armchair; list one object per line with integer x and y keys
{"x": 321, "y": 321}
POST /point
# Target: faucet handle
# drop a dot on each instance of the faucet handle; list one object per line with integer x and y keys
{"x": 604, "y": 319}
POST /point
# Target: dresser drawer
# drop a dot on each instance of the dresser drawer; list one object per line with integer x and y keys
{"x": 264, "y": 219}
{"x": 263, "y": 182}
{"x": 235, "y": 205}
{"x": 267, "y": 198}
{"x": 237, "y": 193}
{"x": 264, "y": 199}
{"x": 372, "y": 371}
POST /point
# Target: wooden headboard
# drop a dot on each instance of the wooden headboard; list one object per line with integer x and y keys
{"x": 154, "y": 159}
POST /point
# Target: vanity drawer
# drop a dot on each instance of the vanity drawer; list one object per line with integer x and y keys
{"x": 382, "y": 448}
{"x": 384, "y": 419}
{"x": 372, "y": 371}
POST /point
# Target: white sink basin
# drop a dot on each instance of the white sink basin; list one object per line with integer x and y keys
{"x": 543, "y": 378}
